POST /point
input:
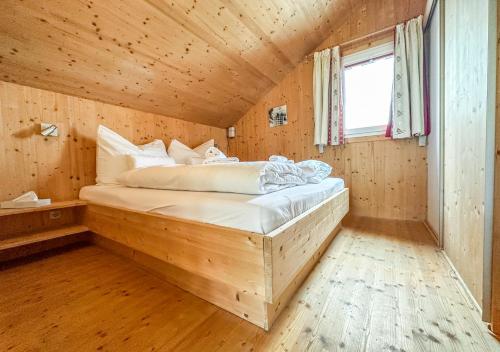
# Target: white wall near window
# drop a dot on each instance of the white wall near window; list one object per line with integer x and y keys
{"x": 368, "y": 79}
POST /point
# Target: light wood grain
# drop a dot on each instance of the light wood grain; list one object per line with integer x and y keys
{"x": 214, "y": 252}
{"x": 38, "y": 247}
{"x": 280, "y": 302}
{"x": 202, "y": 61}
{"x": 52, "y": 206}
{"x": 243, "y": 272}
{"x": 244, "y": 304}
{"x": 464, "y": 139}
{"x": 57, "y": 167}
{"x": 381, "y": 285}
{"x": 30, "y": 238}
{"x": 222, "y": 265}
{"x": 495, "y": 280}
{"x": 387, "y": 178}
{"x": 24, "y": 223}
{"x": 31, "y": 230}
{"x": 288, "y": 248}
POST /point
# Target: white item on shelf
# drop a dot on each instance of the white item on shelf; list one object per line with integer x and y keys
{"x": 26, "y": 200}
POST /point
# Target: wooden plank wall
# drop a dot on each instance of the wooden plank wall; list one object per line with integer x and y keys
{"x": 466, "y": 26}
{"x": 202, "y": 61}
{"x": 495, "y": 294}
{"x": 57, "y": 167}
{"x": 387, "y": 178}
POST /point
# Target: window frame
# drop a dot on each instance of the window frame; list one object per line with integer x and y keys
{"x": 357, "y": 58}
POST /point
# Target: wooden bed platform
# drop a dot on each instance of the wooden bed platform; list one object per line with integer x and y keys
{"x": 248, "y": 274}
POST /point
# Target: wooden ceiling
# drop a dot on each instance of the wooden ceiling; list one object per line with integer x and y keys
{"x": 205, "y": 61}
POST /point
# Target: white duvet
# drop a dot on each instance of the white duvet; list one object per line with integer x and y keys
{"x": 259, "y": 177}
{"x": 248, "y": 212}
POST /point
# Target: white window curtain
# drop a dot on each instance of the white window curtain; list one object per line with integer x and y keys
{"x": 328, "y": 124}
{"x": 408, "y": 117}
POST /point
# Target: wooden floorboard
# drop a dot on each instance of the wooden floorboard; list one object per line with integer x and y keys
{"x": 381, "y": 286}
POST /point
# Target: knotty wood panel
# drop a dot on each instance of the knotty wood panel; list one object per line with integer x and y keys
{"x": 216, "y": 253}
{"x": 465, "y": 106}
{"x": 222, "y": 265}
{"x": 287, "y": 250}
{"x": 387, "y": 179}
{"x": 12, "y": 226}
{"x": 202, "y": 61}
{"x": 248, "y": 274}
{"x": 495, "y": 282}
{"x": 380, "y": 284}
{"x": 57, "y": 167}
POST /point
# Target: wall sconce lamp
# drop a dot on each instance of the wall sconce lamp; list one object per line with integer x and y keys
{"x": 231, "y": 132}
{"x": 49, "y": 130}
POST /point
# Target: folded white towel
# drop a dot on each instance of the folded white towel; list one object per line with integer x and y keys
{"x": 213, "y": 156}
{"x": 26, "y": 200}
{"x": 280, "y": 159}
{"x": 28, "y": 196}
{"x": 214, "y": 152}
{"x": 315, "y": 170}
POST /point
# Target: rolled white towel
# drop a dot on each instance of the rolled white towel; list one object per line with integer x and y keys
{"x": 314, "y": 170}
{"x": 280, "y": 159}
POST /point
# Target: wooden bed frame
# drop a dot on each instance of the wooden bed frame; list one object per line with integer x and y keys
{"x": 248, "y": 274}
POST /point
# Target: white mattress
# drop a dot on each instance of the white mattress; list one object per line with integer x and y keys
{"x": 255, "y": 213}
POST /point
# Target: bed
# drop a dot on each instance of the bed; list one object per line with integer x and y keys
{"x": 244, "y": 253}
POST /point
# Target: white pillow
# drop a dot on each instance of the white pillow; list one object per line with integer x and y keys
{"x": 203, "y": 148}
{"x": 155, "y": 148}
{"x": 195, "y": 161}
{"x": 138, "y": 161}
{"x": 183, "y": 154}
{"x": 112, "y": 151}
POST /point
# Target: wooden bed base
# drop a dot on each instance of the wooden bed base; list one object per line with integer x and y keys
{"x": 248, "y": 274}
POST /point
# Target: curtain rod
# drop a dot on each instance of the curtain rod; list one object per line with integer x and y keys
{"x": 373, "y": 34}
{"x": 369, "y": 35}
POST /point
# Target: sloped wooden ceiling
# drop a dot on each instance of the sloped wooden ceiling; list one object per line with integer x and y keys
{"x": 205, "y": 61}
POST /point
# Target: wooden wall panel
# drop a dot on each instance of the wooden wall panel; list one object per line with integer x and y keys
{"x": 57, "y": 167}
{"x": 203, "y": 61}
{"x": 466, "y": 74}
{"x": 387, "y": 178}
{"x": 495, "y": 282}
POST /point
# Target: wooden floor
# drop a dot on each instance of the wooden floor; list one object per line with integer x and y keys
{"x": 381, "y": 286}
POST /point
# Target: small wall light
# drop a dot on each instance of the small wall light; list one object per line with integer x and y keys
{"x": 231, "y": 132}
{"x": 48, "y": 130}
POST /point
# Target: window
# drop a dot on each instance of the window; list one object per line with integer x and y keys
{"x": 368, "y": 78}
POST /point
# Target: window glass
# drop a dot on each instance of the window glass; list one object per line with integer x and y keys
{"x": 367, "y": 95}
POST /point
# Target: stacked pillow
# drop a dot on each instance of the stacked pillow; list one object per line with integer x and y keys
{"x": 182, "y": 154}
{"x": 116, "y": 154}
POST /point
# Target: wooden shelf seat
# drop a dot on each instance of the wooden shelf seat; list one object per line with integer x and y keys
{"x": 29, "y": 238}
{"x": 53, "y": 206}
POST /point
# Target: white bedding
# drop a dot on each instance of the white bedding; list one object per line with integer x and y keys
{"x": 255, "y": 213}
{"x": 257, "y": 177}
